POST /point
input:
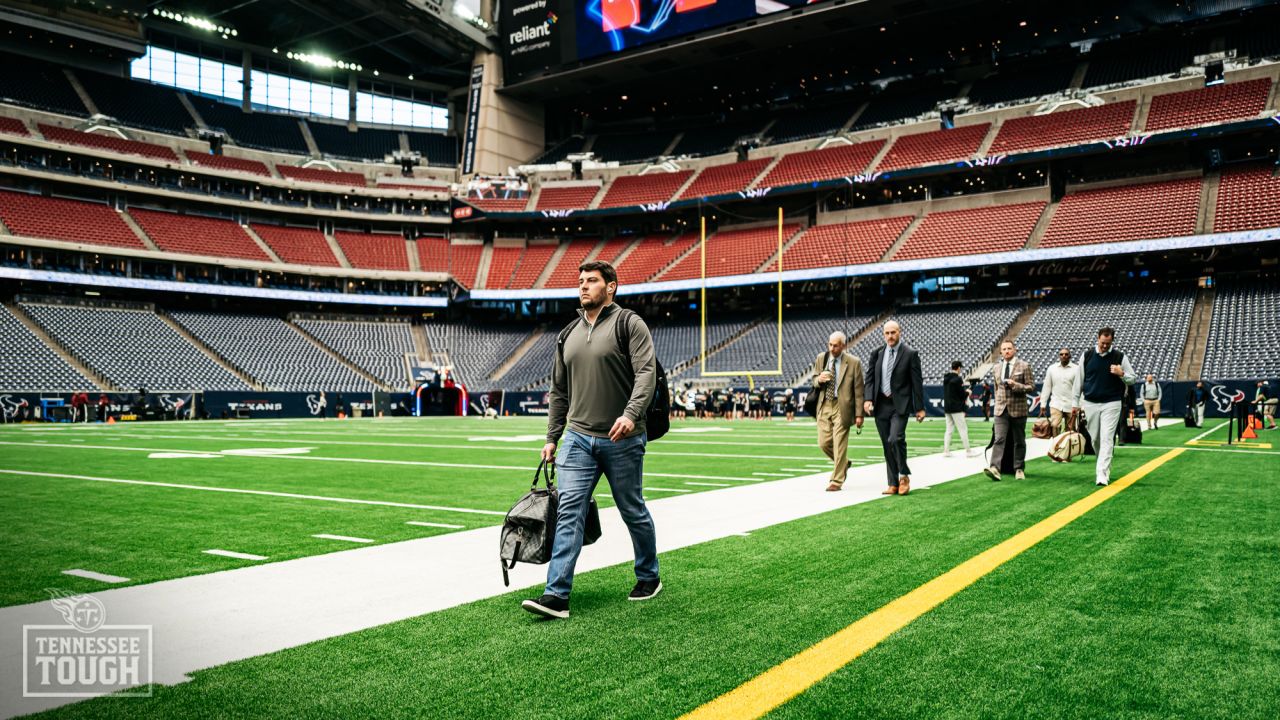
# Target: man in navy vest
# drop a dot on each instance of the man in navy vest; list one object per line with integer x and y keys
{"x": 1104, "y": 376}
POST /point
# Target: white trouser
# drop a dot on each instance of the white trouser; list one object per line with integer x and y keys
{"x": 1200, "y": 415}
{"x": 1102, "y": 419}
{"x": 956, "y": 420}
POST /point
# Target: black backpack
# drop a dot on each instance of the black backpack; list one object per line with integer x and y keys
{"x": 657, "y": 418}
{"x": 530, "y": 526}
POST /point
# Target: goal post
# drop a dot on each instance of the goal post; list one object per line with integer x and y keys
{"x": 702, "y": 355}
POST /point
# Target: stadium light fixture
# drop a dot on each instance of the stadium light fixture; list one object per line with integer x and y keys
{"x": 195, "y": 21}
{"x": 323, "y": 61}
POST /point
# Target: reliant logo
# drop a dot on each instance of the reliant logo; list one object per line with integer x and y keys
{"x": 528, "y": 34}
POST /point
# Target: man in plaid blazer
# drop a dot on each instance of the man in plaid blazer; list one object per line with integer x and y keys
{"x": 1013, "y": 380}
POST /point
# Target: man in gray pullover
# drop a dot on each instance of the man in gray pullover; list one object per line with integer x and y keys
{"x": 602, "y": 382}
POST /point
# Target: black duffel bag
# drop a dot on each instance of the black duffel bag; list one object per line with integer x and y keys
{"x": 530, "y": 526}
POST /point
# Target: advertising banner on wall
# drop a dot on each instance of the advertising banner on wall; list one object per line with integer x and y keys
{"x": 472, "y": 127}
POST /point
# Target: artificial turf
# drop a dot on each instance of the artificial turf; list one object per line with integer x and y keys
{"x": 1158, "y": 603}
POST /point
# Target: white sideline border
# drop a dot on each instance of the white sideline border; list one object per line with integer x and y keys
{"x": 208, "y": 620}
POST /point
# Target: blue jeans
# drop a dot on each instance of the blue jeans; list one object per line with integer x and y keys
{"x": 580, "y": 461}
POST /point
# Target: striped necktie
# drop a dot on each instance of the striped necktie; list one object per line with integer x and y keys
{"x": 831, "y": 386}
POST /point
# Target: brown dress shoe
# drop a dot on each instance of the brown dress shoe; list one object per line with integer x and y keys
{"x": 891, "y": 490}
{"x": 904, "y": 485}
{"x": 833, "y": 487}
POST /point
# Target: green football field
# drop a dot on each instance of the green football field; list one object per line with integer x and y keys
{"x": 1159, "y": 602}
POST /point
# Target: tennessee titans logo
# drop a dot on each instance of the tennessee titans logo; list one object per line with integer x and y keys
{"x": 1223, "y": 397}
{"x": 85, "y": 613}
{"x": 313, "y": 404}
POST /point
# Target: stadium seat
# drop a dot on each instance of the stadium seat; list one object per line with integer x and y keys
{"x": 1024, "y": 83}
{"x": 439, "y": 150}
{"x": 714, "y": 139}
{"x": 532, "y": 262}
{"x": 1151, "y": 327}
{"x": 318, "y": 175}
{"x": 934, "y": 148}
{"x": 724, "y": 179}
{"x": 804, "y": 335}
{"x": 1244, "y": 332}
{"x": 1248, "y": 199}
{"x": 261, "y": 130}
{"x": 433, "y": 253}
{"x": 378, "y": 348}
{"x": 1129, "y": 212}
{"x": 37, "y": 84}
{"x": 502, "y": 263}
{"x": 508, "y": 204}
{"x": 13, "y": 126}
{"x": 63, "y": 219}
{"x": 297, "y": 245}
{"x": 1208, "y": 105}
{"x": 224, "y": 162}
{"x": 1068, "y": 127}
{"x": 464, "y": 263}
{"x": 197, "y": 235}
{"x": 132, "y": 348}
{"x": 272, "y": 352}
{"x": 639, "y": 189}
{"x": 29, "y": 364}
{"x": 53, "y": 133}
{"x": 138, "y": 104}
{"x": 828, "y": 163}
{"x": 476, "y": 351}
{"x": 627, "y": 148}
{"x": 369, "y": 144}
{"x": 733, "y": 251}
{"x": 999, "y": 228}
{"x": 852, "y": 243}
{"x": 573, "y": 197}
{"x": 565, "y": 274}
{"x": 373, "y": 251}
{"x": 652, "y": 254}
{"x": 810, "y": 123}
{"x": 947, "y": 332}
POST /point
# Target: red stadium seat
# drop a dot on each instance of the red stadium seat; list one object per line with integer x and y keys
{"x": 853, "y": 243}
{"x": 316, "y": 175}
{"x": 566, "y": 273}
{"x": 1249, "y": 199}
{"x": 934, "y": 148}
{"x": 733, "y": 252}
{"x": 464, "y": 263}
{"x": 517, "y": 204}
{"x": 723, "y": 179}
{"x": 301, "y": 246}
{"x": 433, "y": 254}
{"x": 1002, "y": 228}
{"x": 639, "y": 189}
{"x": 223, "y": 162}
{"x": 61, "y": 219}
{"x": 502, "y": 263}
{"x": 1131, "y": 212}
{"x": 651, "y": 255}
{"x": 573, "y": 197}
{"x": 532, "y": 263}
{"x": 373, "y": 251}
{"x": 1069, "y": 127}
{"x": 826, "y": 164}
{"x": 13, "y": 126}
{"x": 53, "y": 133}
{"x": 198, "y": 235}
{"x": 1209, "y": 105}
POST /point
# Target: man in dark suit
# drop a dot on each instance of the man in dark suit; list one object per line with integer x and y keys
{"x": 897, "y": 386}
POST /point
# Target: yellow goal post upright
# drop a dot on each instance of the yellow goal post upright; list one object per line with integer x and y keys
{"x": 702, "y": 356}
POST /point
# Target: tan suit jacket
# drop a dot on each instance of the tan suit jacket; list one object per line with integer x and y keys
{"x": 849, "y": 395}
{"x": 1014, "y": 396}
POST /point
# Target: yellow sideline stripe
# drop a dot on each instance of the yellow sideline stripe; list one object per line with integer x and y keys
{"x": 793, "y": 676}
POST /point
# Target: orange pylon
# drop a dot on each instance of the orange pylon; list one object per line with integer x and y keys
{"x": 1248, "y": 433}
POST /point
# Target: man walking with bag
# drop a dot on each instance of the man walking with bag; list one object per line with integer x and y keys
{"x": 602, "y": 382}
{"x": 837, "y": 384}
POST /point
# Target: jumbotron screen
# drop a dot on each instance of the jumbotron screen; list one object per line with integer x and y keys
{"x": 544, "y": 34}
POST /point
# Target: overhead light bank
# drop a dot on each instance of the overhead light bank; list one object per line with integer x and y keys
{"x": 323, "y": 61}
{"x": 195, "y": 21}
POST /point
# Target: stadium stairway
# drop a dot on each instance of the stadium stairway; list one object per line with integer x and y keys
{"x": 554, "y": 262}
{"x": 482, "y": 270}
{"x": 1013, "y": 331}
{"x": 338, "y": 356}
{"x": 786, "y": 245}
{"x": 21, "y": 315}
{"x": 81, "y": 91}
{"x": 137, "y": 230}
{"x": 518, "y": 353}
{"x": 1192, "y": 362}
{"x": 262, "y": 244}
{"x": 421, "y": 345}
{"x": 212, "y": 354}
{"x": 902, "y": 239}
{"x": 337, "y": 250}
{"x": 1209, "y": 188}
{"x": 1046, "y": 217}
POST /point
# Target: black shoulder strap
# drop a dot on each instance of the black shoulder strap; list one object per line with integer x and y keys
{"x": 622, "y": 333}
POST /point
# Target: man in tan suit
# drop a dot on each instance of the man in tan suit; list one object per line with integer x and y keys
{"x": 838, "y": 383}
{"x": 1013, "y": 380}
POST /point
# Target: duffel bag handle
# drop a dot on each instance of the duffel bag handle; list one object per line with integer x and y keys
{"x": 546, "y": 470}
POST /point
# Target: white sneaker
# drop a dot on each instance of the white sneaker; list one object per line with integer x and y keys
{"x": 1102, "y": 482}
{"x": 1019, "y": 475}
{"x": 971, "y": 453}
{"x": 946, "y": 453}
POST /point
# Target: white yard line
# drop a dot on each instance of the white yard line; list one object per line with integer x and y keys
{"x": 424, "y": 523}
{"x": 211, "y": 619}
{"x": 343, "y": 538}
{"x": 236, "y": 555}
{"x": 707, "y": 484}
{"x": 1210, "y": 431}
{"x": 243, "y": 491}
{"x": 100, "y": 577}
